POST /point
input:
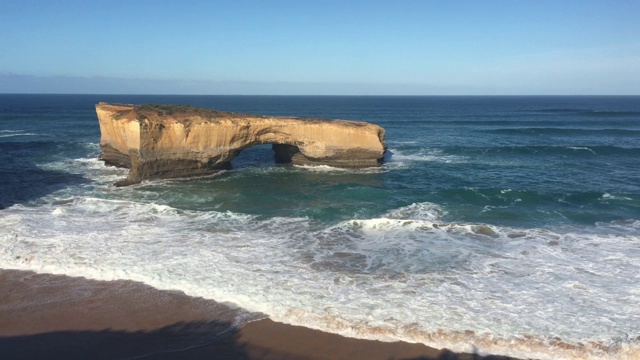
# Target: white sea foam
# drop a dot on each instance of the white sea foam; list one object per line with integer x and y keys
{"x": 320, "y": 168}
{"x": 330, "y": 169}
{"x": 17, "y": 133}
{"x": 408, "y": 275}
{"x": 424, "y": 154}
{"x": 418, "y": 211}
{"x": 91, "y": 168}
{"x": 91, "y": 163}
{"x": 607, "y": 196}
{"x": 582, "y": 148}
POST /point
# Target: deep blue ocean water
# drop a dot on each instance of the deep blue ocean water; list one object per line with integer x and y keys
{"x": 508, "y": 223}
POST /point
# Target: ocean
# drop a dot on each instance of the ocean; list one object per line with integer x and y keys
{"x": 509, "y": 225}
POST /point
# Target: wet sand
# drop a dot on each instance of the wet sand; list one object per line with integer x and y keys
{"x": 46, "y": 316}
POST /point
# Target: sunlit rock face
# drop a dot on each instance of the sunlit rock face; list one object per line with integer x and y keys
{"x": 167, "y": 141}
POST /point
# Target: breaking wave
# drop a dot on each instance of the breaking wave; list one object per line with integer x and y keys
{"x": 411, "y": 274}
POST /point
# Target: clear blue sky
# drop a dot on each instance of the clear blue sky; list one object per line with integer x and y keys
{"x": 320, "y": 47}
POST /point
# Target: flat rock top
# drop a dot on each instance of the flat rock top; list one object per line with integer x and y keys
{"x": 190, "y": 114}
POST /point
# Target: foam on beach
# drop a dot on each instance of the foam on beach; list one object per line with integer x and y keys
{"x": 407, "y": 276}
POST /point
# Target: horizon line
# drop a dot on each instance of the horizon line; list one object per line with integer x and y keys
{"x": 325, "y": 95}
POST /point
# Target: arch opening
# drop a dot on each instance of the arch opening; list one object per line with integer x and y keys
{"x": 263, "y": 154}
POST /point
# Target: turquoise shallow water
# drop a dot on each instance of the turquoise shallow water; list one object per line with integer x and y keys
{"x": 494, "y": 220}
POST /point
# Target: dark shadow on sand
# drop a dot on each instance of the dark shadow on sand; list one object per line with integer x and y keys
{"x": 195, "y": 340}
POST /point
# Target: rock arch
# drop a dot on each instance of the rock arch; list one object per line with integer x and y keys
{"x": 167, "y": 141}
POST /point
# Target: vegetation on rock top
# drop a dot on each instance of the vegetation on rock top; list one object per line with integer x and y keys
{"x": 167, "y": 110}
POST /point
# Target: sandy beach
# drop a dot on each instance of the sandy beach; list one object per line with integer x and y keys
{"x": 46, "y": 316}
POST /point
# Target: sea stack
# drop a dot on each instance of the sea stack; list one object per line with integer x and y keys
{"x": 170, "y": 141}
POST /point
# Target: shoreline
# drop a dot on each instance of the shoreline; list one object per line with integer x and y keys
{"x": 57, "y": 316}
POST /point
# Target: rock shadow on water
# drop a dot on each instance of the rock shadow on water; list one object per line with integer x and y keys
{"x": 21, "y": 180}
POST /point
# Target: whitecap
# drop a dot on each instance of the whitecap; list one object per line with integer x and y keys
{"x": 582, "y": 148}
{"x": 17, "y": 134}
{"x": 607, "y": 196}
{"x": 331, "y": 169}
{"x": 424, "y": 154}
{"x": 406, "y": 275}
{"x": 418, "y": 211}
{"x": 320, "y": 168}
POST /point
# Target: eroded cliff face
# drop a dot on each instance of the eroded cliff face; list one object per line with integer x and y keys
{"x": 157, "y": 141}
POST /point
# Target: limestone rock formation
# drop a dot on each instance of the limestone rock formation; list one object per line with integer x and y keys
{"x": 167, "y": 141}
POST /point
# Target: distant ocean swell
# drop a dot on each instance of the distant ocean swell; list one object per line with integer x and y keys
{"x": 515, "y": 121}
{"x": 10, "y": 133}
{"x": 576, "y": 151}
{"x": 586, "y": 112}
{"x": 534, "y": 131}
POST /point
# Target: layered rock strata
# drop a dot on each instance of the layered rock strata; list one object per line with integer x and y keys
{"x": 167, "y": 141}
